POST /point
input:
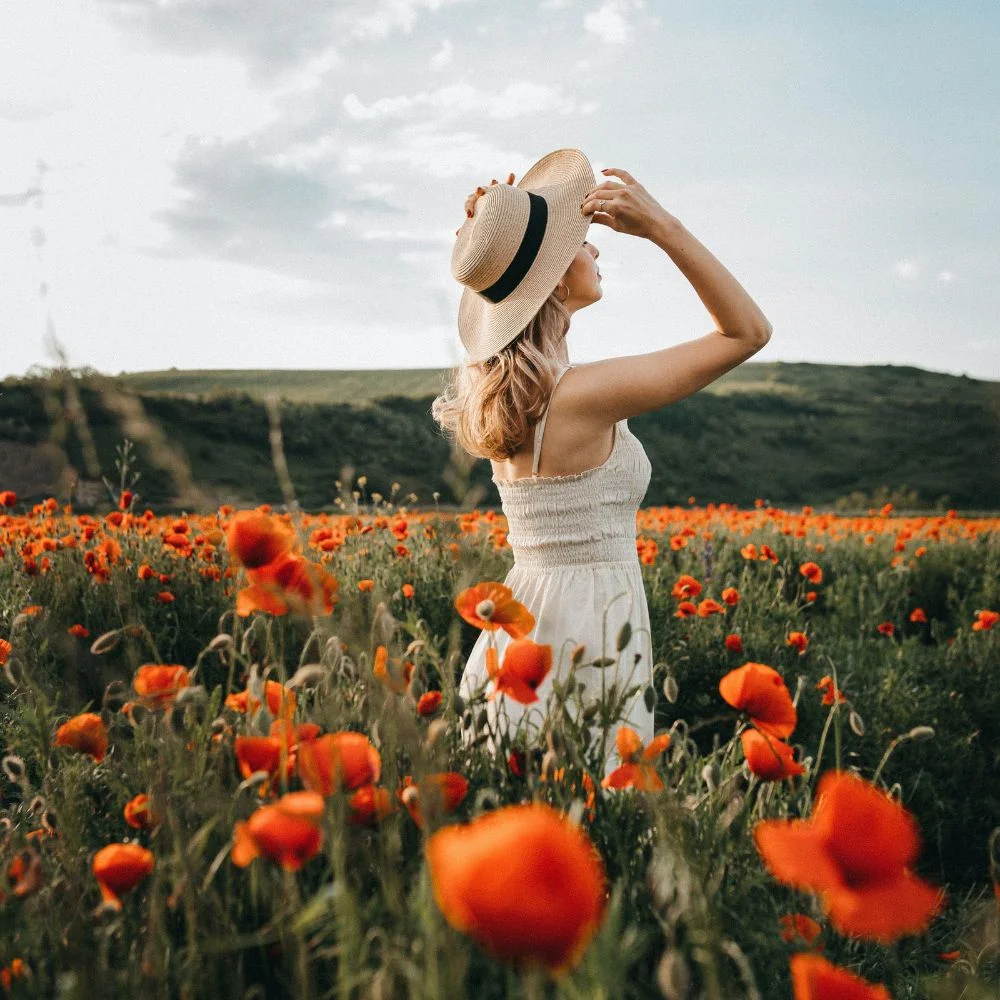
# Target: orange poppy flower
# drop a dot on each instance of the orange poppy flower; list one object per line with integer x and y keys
{"x": 25, "y": 873}
{"x": 854, "y": 851}
{"x": 440, "y": 793}
{"x": 255, "y": 539}
{"x": 292, "y": 735}
{"x": 491, "y": 606}
{"x": 686, "y": 586}
{"x": 365, "y": 585}
{"x": 281, "y": 701}
{"x": 119, "y": 868}
{"x": 158, "y": 684}
{"x": 525, "y": 665}
{"x": 831, "y": 693}
{"x": 685, "y": 610}
{"x": 263, "y": 753}
{"x": 395, "y": 674}
{"x": 918, "y": 615}
{"x": 811, "y": 572}
{"x": 985, "y": 620}
{"x": 288, "y": 832}
{"x": 139, "y": 814}
{"x": 709, "y": 607}
{"x": 814, "y": 978}
{"x": 760, "y": 691}
{"x": 429, "y": 702}
{"x": 636, "y": 770}
{"x": 369, "y": 805}
{"x": 85, "y": 733}
{"x": 768, "y": 757}
{"x": 80, "y": 631}
{"x": 408, "y": 590}
{"x": 290, "y": 583}
{"x": 338, "y": 760}
{"x": 165, "y": 597}
{"x": 731, "y": 596}
{"x": 8, "y": 498}
{"x": 523, "y": 881}
{"x": 799, "y": 640}
{"x": 734, "y": 643}
{"x": 5, "y": 651}
{"x": 796, "y": 926}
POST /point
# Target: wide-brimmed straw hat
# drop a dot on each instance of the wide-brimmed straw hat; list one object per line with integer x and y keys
{"x": 516, "y": 247}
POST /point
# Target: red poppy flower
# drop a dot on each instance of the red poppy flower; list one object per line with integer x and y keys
{"x": 523, "y": 881}
{"x": 84, "y": 733}
{"x": 799, "y": 640}
{"x": 811, "y": 572}
{"x": 855, "y": 851}
{"x": 287, "y": 832}
{"x": 281, "y": 701}
{"x": 831, "y": 693}
{"x": 491, "y": 606}
{"x": 429, "y": 702}
{"x": 918, "y": 615}
{"x": 158, "y": 684}
{"x": 760, "y": 691}
{"x": 289, "y": 583}
{"x": 338, "y": 760}
{"x": 369, "y": 805}
{"x": 768, "y": 757}
{"x": 139, "y": 814}
{"x": 439, "y": 793}
{"x": 814, "y": 978}
{"x": 797, "y": 926}
{"x": 685, "y": 587}
{"x": 525, "y": 665}
{"x": 119, "y": 868}
{"x": 734, "y": 643}
{"x": 80, "y": 631}
{"x": 636, "y": 770}
{"x": 395, "y": 673}
{"x": 985, "y": 620}
{"x": 255, "y": 539}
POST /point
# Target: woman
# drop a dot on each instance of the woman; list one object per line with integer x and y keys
{"x": 570, "y": 473}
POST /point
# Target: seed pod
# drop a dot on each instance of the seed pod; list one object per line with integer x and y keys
{"x": 670, "y": 688}
{"x": 467, "y": 719}
{"x": 485, "y": 609}
{"x": 604, "y": 661}
{"x": 457, "y": 704}
{"x": 435, "y": 731}
{"x": 591, "y": 710}
{"x": 549, "y": 762}
{"x": 311, "y": 673}
{"x": 921, "y": 733}
{"x": 577, "y": 655}
{"x": 649, "y": 698}
{"x": 624, "y": 636}
{"x": 710, "y": 775}
{"x": 856, "y": 723}
{"x": 482, "y": 719}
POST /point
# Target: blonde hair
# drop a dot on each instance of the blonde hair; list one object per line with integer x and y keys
{"x": 488, "y": 407}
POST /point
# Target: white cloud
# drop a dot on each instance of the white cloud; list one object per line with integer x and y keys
{"x": 906, "y": 269}
{"x": 947, "y": 277}
{"x": 443, "y": 56}
{"x": 395, "y": 14}
{"x": 608, "y": 23}
{"x": 515, "y": 101}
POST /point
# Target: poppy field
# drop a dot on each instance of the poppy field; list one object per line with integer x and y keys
{"x": 236, "y": 763}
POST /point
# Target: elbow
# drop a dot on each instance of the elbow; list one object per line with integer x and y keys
{"x": 762, "y": 334}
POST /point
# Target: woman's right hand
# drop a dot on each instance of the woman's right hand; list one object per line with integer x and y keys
{"x": 628, "y": 208}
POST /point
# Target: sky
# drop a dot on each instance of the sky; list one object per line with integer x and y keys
{"x": 277, "y": 183}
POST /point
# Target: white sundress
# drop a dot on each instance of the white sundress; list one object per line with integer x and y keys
{"x": 573, "y": 539}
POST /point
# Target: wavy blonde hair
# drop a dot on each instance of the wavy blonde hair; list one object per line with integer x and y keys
{"x": 488, "y": 407}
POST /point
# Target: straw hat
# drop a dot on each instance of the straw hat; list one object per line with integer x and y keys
{"x": 516, "y": 247}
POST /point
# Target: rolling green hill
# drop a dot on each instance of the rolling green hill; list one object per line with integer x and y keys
{"x": 792, "y": 433}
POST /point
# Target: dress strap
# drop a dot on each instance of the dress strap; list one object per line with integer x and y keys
{"x": 540, "y": 427}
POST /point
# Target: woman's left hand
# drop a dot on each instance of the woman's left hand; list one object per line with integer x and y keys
{"x": 470, "y": 202}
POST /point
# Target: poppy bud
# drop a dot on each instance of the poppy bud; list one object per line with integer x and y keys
{"x": 649, "y": 698}
{"x": 673, "y": 976}
{"x": 856, "y": 723}
{"x": 670, "y": 689}
{"x": 624, "y": 636}
{"x": 577, "y": 655}
{"x": 14, "y": 768}
{"x": 106, "y": 642}
{"x": 920, "y": 733}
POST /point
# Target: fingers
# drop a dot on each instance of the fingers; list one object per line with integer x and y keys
{"x": 623, "y": 174}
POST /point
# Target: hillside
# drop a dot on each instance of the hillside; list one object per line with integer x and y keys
{"x": 792, "y": 433}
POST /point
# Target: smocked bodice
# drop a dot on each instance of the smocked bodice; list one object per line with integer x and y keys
{"x": 583, "y": 518}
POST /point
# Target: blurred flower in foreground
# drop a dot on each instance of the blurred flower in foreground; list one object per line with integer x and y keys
{"x": 119, "y": 868}
{"x": 814, "y": 978}
{"x": 760, "y": 691}
{"x": 289, "y": 584}
{"x": 288, "y": 832}
{"x": 491, "y": 606}
{"x": 255, "y": 539}
{"x": 523, "y": 881}
{"x": 280, "y": 700}
{"x": 84, "y": 733}
{"x": 985, "y": 620}
{"x": 636, "y": 770}
{"x": 854, "y": 851}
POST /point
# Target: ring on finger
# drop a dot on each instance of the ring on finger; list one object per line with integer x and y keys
{"x": 602, "y": 204}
